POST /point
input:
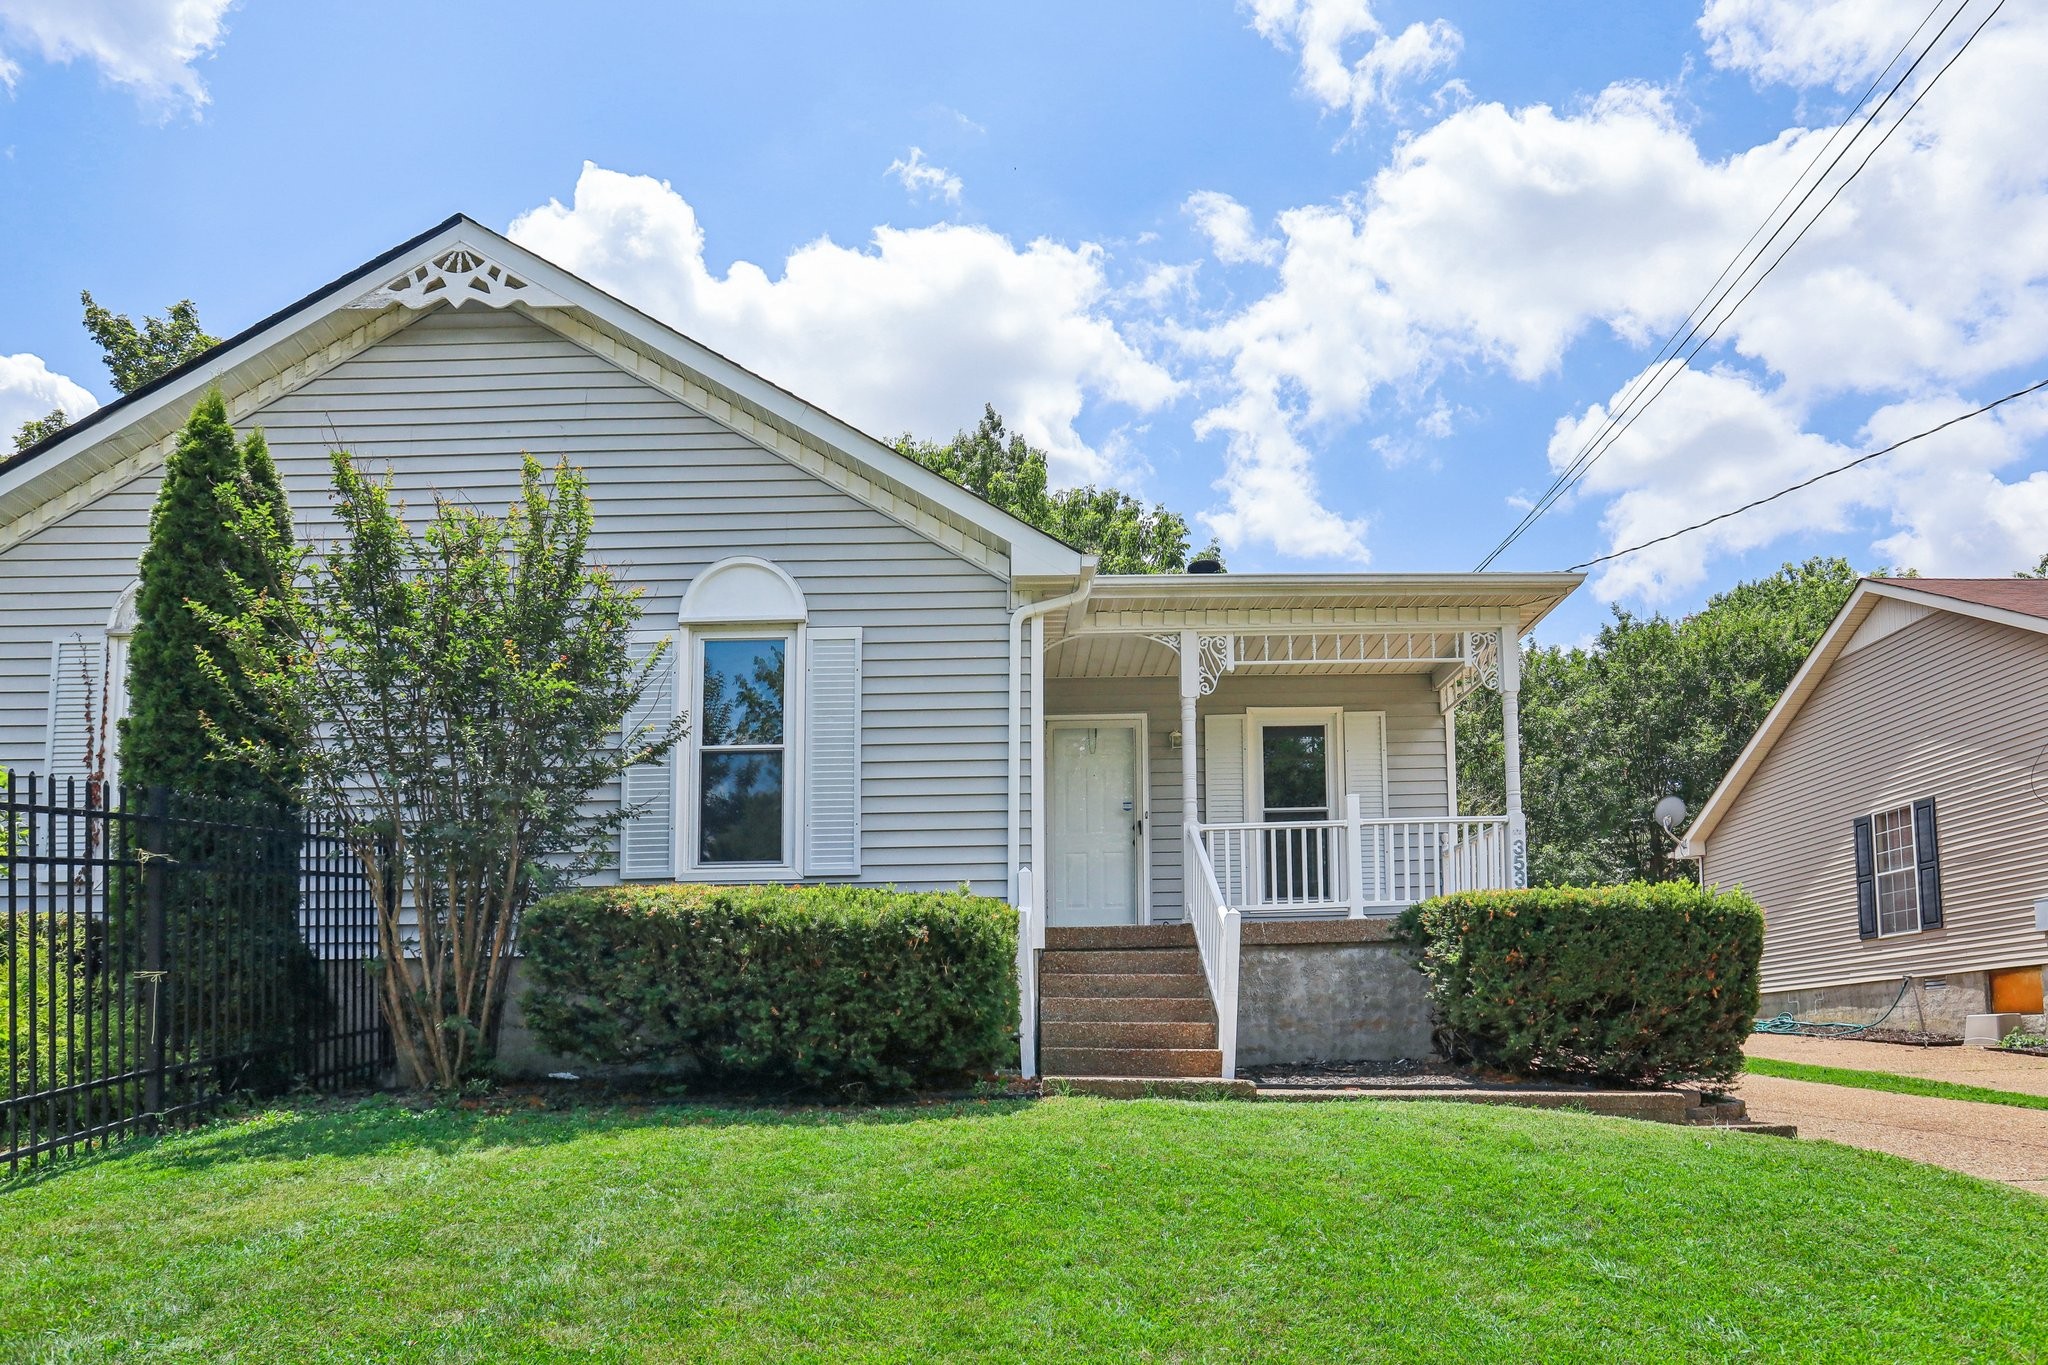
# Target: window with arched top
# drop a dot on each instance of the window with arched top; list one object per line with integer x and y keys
{"x": 767, "y": 784}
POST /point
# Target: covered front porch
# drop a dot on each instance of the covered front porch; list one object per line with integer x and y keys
{"x": 1210, "y": 749}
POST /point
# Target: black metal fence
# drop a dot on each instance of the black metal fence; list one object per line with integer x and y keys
{"x": 164, "y": 953}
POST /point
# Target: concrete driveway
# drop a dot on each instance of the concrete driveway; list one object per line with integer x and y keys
{"x": 1992, "y": 1141}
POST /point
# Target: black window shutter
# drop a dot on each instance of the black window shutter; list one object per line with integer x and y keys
{"x": 1866, "y": 881}
{"x": 1927, "y": 849}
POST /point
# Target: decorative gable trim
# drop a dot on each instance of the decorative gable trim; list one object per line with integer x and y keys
{"x": 461, "y": 274}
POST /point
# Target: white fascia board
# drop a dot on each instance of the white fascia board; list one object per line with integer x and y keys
{"x": 1832, "y": 641}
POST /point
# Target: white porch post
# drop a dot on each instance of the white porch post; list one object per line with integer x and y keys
{"x": 1190, "y": 689}
{"x": 1511, "y": 748}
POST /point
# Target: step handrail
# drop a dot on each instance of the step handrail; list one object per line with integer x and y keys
{"x": 1219, "y": 934}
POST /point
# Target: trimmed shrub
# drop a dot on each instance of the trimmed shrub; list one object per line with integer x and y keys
{"x": 1643, "y": 982}
{"x": 63, "y": 1009}
{"x": 829, "y": 986}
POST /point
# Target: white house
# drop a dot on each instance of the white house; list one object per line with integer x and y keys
{"x": 965, "y": 699}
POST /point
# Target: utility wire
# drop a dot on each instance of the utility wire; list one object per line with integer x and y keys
{"x": 1671, "y": 372}
{"x": 1638, "y": 395}
{"x": 2035, "y": 387}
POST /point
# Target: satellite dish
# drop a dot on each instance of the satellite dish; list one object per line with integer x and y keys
{"x": 1670, "y": 813}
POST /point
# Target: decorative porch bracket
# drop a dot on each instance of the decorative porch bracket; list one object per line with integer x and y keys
{"x": 1214, "y": 656}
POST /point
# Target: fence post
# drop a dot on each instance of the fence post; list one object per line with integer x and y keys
{"x": 155, "y": 871}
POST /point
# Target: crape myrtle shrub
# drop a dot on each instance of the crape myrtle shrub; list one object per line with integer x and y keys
{"x": 830, "y": 986}
{"x": 1653, "y": 982}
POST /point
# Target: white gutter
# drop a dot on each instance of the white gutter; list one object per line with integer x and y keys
{"x": 1029, "y": 612}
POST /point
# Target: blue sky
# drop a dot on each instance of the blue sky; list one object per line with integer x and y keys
{"x": 1348, "y": 279}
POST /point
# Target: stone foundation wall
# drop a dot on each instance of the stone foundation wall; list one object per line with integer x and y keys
{"x": 1329, "y": 990}
{"x": 1938, "y": 1008}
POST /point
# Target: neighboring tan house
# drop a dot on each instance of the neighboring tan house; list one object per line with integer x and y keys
{"x": 967, "y": 701}
{"x": 1891, "y": 815}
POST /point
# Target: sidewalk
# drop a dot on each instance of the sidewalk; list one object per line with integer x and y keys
{"x": 1992, "y": 1141}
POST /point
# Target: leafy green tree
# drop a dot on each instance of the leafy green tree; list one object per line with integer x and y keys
{"x": 2040, "y": 569}
{"x": 201, "y": 552}
{"x": 469, "y": 682}
{"x": 40, "y": 428}
{"x": 998, "y": 465}
{"x": 136, "y": 355}
{"x": 1672, "y": 704}
{"x": 133, "y": 355}
{"x": 246, "y": 983}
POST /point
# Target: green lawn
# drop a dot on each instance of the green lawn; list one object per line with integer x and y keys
{"x": 1070, "y": 1227}
{"x": 1893, "y": 1084}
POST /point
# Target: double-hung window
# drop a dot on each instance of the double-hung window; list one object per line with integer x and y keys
{"x": 742, "y": 807}
{"x": 1897, "y": 867}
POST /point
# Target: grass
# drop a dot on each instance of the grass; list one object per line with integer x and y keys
{"x": 1891, "y": 1083}
{"x": 1066, "y": 1228}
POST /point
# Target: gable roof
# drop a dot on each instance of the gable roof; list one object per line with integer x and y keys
{"x": 2019, "y": 602}
{"x": 126, "y": 437}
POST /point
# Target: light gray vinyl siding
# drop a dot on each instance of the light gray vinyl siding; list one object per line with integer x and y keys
{"x": 1416, "y": 783}
{"x": 449, "y": 403}
{"x": 1949, "y": 707}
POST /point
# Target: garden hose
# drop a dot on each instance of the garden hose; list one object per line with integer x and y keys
{"x": 1786, "y": 1023}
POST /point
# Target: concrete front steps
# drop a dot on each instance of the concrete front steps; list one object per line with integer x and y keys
{"x": 1127, "y": 1003}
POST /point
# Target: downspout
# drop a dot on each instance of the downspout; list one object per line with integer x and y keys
{"x": 1023, "y": 615}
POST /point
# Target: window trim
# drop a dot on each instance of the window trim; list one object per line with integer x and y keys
{"x": 1257, "y": 718}
{"x": 689, "y": 861}
{"x": 1911, "y": 871}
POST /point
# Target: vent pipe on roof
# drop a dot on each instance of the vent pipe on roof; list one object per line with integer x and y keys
{"x": 1205, "y": 566}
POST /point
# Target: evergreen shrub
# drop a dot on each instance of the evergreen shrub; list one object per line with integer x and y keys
{"x": 1645, "y": 982}
{"x": 834, "y": 987}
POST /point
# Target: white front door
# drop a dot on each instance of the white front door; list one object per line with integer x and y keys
{"x": 1096, "y": 841}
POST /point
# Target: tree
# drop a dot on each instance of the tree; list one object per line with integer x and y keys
{"x": 1673, "y": 704}
{"x": 2040, "y": 569}
{"x": 136, "y": 355}
{"x": 998, "y": 465}
{"x": 469, "y": 683}
{"x": 202, "y": 551}
{"x": 40, "y": 428}
{"x": 133, "y": 355}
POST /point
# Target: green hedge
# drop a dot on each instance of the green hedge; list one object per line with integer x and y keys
{"x": 42, "y": 1027}
{"x": 1642, "y": 982}
{"x": 832, "y": 986}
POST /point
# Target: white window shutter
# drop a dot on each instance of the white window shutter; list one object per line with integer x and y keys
{"x": 1223, "y": 801}
{"x": 1223, "y": 769}
{"x": 79, "y": 731}
{"x": 1365, "y": 777}
{"x": 832, "y": 752}
{"x": 647, "y": 840}
{"x": 1365, "y": 761}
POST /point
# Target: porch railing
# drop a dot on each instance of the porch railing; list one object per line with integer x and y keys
{"x": 1218, "y": 932}
{"x": 1352, "y": 866}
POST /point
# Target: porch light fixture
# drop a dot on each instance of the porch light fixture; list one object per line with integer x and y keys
{"x": 1173, "y": 740}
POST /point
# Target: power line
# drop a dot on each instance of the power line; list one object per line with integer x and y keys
{"x": 1672, "y": 372}
{"x": 2035, "y": 387}
{"x": 1659, "y": 372}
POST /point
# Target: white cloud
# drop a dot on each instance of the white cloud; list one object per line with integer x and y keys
{"x": 1717, "y": 440}
{"x": 1497, "y": 239}
{"x": 1320, "y": 31}
{"x": 29, "y": 388}
{"x": 920, "y": 178}
{"x": 1228, "y": 226}
{"x": 148, "y": 46}
{"x": 915, "y": 331}
{"x": 1836, "y": 43}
